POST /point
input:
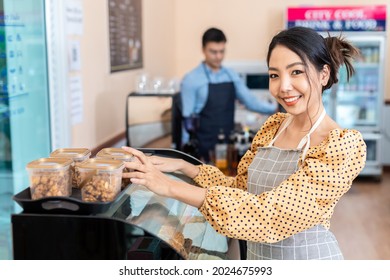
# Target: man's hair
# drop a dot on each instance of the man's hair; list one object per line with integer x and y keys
{"x": 213, "y": 35}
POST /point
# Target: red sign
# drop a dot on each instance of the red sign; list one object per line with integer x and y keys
{"x": 337, "y": 13}
{"x": 351, "y": 18}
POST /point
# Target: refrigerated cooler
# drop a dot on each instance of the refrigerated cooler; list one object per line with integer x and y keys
{"x": 356, "y": 104}
{"x": 138, "y": 224}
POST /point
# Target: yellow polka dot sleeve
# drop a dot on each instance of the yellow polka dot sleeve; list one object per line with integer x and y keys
{"x": 305, "y": 199}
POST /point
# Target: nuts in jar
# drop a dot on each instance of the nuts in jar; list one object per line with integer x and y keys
{"x": 117, "y": 154}
{"x": 77, "y": 155}
{"x": 99, "y": 179}
{"x": 49, "y": 177}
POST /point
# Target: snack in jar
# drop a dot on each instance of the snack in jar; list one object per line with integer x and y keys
{"x": 49, "y": 177}
{"x": 117, "y": 154}
{"x": 77, "y": 155}
{"x": 100, "y": 179}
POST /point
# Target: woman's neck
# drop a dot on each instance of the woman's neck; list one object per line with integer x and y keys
{"x": 304, "y": 122}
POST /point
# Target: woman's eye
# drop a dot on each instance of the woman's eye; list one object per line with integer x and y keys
{"x": 272, "y": 76}
{"x": 297, "y": 72}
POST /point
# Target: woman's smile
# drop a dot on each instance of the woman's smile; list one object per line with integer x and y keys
{"x": 291, "y": 100}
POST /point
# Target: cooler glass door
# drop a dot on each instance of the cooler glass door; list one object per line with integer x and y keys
{"x": 358, "y": 101}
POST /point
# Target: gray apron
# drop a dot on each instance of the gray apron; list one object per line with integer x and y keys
{"x": 269, "y": 168}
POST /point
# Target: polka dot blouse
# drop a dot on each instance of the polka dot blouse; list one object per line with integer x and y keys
{"x": 307, "y": 198}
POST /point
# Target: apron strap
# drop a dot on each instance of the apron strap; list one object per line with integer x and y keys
{"x": 286, "y": 124}
{"x": 305, "y": 141}
{"x": 208, "y": 75}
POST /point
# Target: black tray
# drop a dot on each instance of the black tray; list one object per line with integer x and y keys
{"x": 63, "y": 205}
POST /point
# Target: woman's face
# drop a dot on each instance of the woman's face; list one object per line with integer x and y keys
{"x": 289, "y": 82}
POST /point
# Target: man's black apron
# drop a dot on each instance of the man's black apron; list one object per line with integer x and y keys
{"x": 217, "y": 115}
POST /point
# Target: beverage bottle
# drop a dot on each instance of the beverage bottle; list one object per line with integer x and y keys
{"x": 221, "y": 161}
{"x": 232, "y": 155}
{"x": 371, "y": 108}
{"x": 241, "y": 147}
{"x": 368, "y": 54}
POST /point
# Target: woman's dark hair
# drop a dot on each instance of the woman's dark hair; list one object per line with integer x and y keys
{"x": 213, "y": 35}
{"x": 312, "y": 47}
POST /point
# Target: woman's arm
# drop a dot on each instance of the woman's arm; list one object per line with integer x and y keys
{"x": 307, "y": 198}
{"x": 165, "y": 164}
{"x": 147, "y": 174}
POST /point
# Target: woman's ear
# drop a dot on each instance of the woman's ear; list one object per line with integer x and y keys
{"x": 324, "y": 75}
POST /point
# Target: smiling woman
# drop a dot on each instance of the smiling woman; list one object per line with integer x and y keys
{"x": 298, "y": 167}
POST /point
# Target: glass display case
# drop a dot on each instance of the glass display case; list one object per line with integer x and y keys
{"x": 138, "y": 224}
{"x": 179, "y": 225}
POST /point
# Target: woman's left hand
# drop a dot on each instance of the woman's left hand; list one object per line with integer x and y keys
{"x": 144, "y": 172}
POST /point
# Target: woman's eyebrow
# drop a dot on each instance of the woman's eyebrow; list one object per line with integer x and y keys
{"x": 294, "y": 64}
{"x": 287, "y": 67}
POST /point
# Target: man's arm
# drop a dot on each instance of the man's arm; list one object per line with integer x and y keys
{"x": 188, "y": 96}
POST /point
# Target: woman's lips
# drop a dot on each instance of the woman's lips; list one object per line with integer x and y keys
{"x": 290, "y": 101}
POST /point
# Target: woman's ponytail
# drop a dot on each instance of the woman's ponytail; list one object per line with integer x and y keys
{"x": 341, "y": 53}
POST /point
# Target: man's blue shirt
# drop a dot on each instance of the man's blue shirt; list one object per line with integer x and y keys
{"x": 194, "y": 90}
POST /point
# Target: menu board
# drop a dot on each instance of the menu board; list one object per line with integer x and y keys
{"x": 125, "y": 29}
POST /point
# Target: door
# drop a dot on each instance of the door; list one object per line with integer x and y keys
{"x": 24, "y": 102}
{"x": 359, "y": 101}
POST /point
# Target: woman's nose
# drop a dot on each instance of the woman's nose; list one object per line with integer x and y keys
{"x": 285, "y": 84}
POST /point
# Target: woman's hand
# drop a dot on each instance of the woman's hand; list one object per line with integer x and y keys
{"x": 145, "y": 173}
{"x": 165, "y": 164}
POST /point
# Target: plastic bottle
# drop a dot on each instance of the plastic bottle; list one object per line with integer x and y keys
{"x": 221, "y": 161}
{"x": 363, "y": 111}
{"x": 368, "y": 58}
{"x": 375, "y": 55}
{"x": 371, "y": 108}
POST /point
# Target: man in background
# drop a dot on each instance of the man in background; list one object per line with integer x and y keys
{"x": 208, "y": 95}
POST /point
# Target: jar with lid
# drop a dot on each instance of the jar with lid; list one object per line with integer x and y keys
{"x": 117, "y": 154}
{"x": 49, "y": 177}
{"x": 100, "y": 179}
{"x": 77, "y": 155}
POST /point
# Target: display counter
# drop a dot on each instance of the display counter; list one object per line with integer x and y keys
{"x": 137, "y": 225}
